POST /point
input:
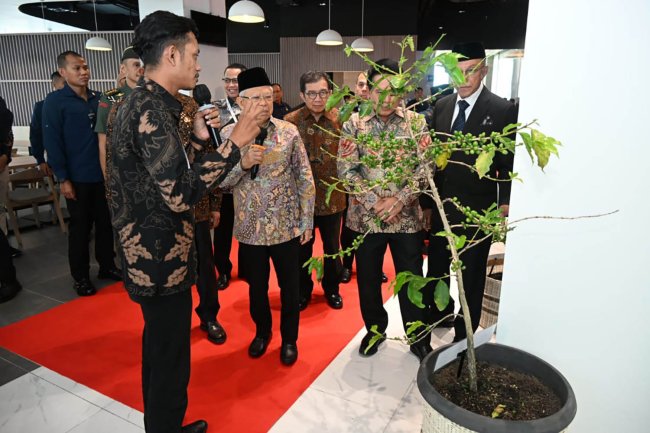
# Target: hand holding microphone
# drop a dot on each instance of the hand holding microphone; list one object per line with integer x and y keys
{"x": 259, "y": 141}
{"x": 209, "y": 113}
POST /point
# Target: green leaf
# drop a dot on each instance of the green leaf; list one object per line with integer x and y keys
{"x": 365, "y": 108}
{"x": 334, "y": 100}
{"x": 330, "y": 189}
{"x": 449, "y": 61}
{"x": 315, "y": 263}
{"x": 399, "y": 281}
{"x": 543, "y": 146}
{"x": 484, "y": 162}
{"x": 346, "y": 112}
{"x": 528, "y": 144}
{"x": 510, "y": 127}
{"x": 459, "y": 241}
{"x": 441, "y": 295}
{"x": 375, "y": 338}
{"x": 415, "y": 290}
{"x": 410, "y": 43}
{"x": 348, "y": 50}
{"x": 414, "y": 326}
{"x": 398, "y": 82}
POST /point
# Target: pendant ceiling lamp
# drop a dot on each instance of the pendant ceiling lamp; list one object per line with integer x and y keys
{"x": 363, "y": 45}
{"x": 329, "y": 37}
{"x": 97, "y": 43}
{"x": 245, "y": 11}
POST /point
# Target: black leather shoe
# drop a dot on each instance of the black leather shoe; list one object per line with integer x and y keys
{"x": 216, "y": 333}
{"x": 346, "y": 275}
{"x": 364, "y": 349}
{"x": 384, "y": 278}
{"x": 9, "y": 290}
{"x": 288, "y": 354}
{"x": 199, "y": 426}
{"x": 258, "y": 346}
{"x": 110, "y": 274}
{"x": 84, "y": 287}
{"x": 223, "y": 282}
{"x": 304, "y": 302}
{"x": 334, "y": 300}
{"x": 15, "y": 252}
{"x": 421, "y": 351}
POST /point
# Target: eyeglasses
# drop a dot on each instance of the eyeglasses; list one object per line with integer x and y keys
{"x": 258, "y": 98}
{"x": 230, "y": 80}
{"x": 312, "y": 95}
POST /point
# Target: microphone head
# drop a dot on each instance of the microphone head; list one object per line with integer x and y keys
{"x": 202, "y": 94}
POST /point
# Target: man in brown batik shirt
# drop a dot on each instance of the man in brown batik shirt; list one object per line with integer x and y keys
{"x": 322, "y": 147}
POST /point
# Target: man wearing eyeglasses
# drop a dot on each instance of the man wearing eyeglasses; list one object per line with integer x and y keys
{"x": 318, "y": 129}
{"x": 274, "y": 210}
{"x": 229, "y": 110}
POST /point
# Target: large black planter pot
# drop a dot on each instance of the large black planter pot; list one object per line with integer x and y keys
{"x": 442, "y": 416}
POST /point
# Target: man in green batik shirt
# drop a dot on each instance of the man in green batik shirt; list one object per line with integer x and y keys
{"x": 131, "y": 68}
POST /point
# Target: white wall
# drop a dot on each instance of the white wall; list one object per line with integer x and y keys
{"x": 577, "y": 293}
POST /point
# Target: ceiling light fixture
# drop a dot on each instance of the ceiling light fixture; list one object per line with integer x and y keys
{"x": 247, "y": 12}
{"x": 329, "y": 37}
{"x": 97, "y": 43}
{"x": 362, "y": 45}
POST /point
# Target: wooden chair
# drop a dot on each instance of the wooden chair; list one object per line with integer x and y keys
{"x": 31, "y": 188}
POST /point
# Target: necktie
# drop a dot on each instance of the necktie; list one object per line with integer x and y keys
{"x": 459, "y": 122}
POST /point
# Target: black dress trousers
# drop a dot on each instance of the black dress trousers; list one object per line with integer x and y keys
{"x": 223, "y": 236}
{"x": 206, "y": 283}
{"x": 90, "y": 208}
{"x": 406, "y": 249}
{"x": 254, "y": 261}
{"x": 330, "y": 230}
{"x": 165, "y": 360}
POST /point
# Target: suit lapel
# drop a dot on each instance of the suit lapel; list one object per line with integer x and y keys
{"x": 478, "y": 113}
{"x": 447, "y": 111}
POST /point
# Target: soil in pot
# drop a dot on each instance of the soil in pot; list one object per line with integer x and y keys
{"x": 522, "y": 397}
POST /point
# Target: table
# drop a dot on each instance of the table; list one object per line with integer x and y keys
{"x": 22, "y": 162}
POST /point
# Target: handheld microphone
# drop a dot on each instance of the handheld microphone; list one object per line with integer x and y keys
{"x": 202, "y": 97}
{"x": 258, "y": 140}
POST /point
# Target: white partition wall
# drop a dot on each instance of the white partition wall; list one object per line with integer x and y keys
{"x": 577, "y": 293}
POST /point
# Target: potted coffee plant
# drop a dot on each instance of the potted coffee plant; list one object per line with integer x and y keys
{"x": 466, "y": 398}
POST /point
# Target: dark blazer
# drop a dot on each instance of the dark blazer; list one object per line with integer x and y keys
{"x": 36, "y": 133}
{"x": 490, "y": 113}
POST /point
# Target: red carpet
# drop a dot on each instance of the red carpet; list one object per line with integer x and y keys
{"x": 96, "y": 341}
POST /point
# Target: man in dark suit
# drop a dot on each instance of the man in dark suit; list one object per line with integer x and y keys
{"x": 473, "y": 109}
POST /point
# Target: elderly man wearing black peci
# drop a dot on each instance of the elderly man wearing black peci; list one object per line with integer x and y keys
{"x": 152, "y": 187}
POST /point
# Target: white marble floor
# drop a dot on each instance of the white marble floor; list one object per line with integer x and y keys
{"x": 353, "y": 394}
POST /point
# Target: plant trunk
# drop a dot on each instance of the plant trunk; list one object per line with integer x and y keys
{"x": 471, "y": 355}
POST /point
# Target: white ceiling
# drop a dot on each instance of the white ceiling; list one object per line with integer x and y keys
{"x": 14, "y": 21}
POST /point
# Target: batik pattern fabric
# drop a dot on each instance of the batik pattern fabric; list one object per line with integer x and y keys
{"x": 278, "y": 205}
{"x": 153, "y": 187}
{"x": 321, "y": 141}
{"x": 360, "y": 214}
